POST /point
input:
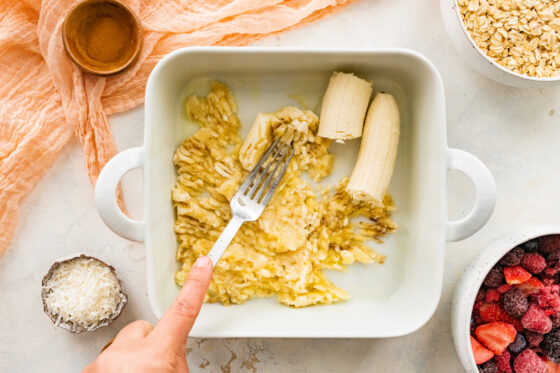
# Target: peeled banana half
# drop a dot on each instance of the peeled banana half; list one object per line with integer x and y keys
{"x": 344, "y": 107}
{"x": 378, "y": 150}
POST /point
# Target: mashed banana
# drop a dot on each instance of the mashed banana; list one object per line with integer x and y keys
{"x": 300, "y": 232}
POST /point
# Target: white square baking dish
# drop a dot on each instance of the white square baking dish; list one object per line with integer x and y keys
{"x": 391, "y": 299}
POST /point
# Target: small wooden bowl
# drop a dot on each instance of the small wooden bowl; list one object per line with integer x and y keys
{"x": 103, "y": 37}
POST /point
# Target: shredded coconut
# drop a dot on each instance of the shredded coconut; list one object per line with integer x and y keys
{"x": 83, "y": 291}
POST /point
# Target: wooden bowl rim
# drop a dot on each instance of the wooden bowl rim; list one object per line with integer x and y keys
{"x": 88, "y": 68}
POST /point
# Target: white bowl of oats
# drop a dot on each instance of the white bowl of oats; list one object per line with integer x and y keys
{"x": 515, "y": 42}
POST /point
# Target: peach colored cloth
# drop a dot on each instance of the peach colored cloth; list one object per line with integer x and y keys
{"x": 45, "y": 99}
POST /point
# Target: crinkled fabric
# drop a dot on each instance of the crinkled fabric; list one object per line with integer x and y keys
{"x": 45, "y": 100}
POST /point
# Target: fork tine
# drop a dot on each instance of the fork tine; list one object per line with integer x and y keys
{"x": 280, "y": 161}
{"x": 276, "y": 181}
{"x": 255, "y": 169}
{"x": 267, "y": 169}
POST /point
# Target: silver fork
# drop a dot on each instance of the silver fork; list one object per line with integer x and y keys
{"x": 254, "y": 194}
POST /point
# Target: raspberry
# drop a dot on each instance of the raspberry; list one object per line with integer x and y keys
{"x": 513, "y": 257}
{"x": 553, "y": 264}
{"x": 534, "y": 339}
{"x": 548, "y": 298}
{"x": 548, "y": 281}
{"x": 518, "y": 344}
{"x": 503, "y": 362}
{"x": 536, "y": 320}
{"x": 533, "y": 263}
{"x": 480, "y": 295}
{"x": 492, "y": 295}
{"x": 491, "y": 312}
{"x": 529, "y": 362}
{"x": 494, "y": 278}
{"x": 551, "y": 345}
{"x": 549, "y": 244}
{"x": 515, "y": 303}
{"x": 488, "y": 367}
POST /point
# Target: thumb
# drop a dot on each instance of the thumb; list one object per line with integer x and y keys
{"x": 178, "y": 320}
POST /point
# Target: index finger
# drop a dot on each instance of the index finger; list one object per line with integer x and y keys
{"x": 178, "y": 320}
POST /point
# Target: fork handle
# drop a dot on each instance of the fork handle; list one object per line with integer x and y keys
{"x": 225, "y": 238}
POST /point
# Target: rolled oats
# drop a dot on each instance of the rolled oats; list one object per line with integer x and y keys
{"x": 521, "y": 35}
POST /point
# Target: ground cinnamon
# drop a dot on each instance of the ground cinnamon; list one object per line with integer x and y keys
{"x": 102, "y": 36}
{"x": 108, "y": 39}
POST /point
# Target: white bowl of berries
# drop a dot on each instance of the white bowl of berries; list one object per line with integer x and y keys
{"x": 506, "y": 309}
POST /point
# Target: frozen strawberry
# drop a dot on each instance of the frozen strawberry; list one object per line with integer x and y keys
{"x": 503, "y": 362}
{"x": 492, "y": 295}
{"x": 496, "y": 336}
{"x": 480, "y": 353}
{"x": 503, "y": 288}
{"x": 552, "y": 367}
{"x": 529, "y": 362}
{"x": 530, "y": 286}
{"x": 536, "y": 320}
{"x": 491, "y": 312}
{"x": 549, "y": 244}
{"x": 533, "y": 263}
{"x": 516, "y": 275}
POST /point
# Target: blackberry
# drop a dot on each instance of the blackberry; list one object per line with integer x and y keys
{"x": 553, "y": 264}
{"x": 480, "y": 295}
{"x": 494, "y": 278}
{"x": 488, "y": 367}
{"x": 515, "y": 303}
{"x": 513, "y": 257}
{"x": 518, "y": 344}
{"x": 531, "y": 245}
{"x": 549, "y": 244}
{"x": 551, "y": 345}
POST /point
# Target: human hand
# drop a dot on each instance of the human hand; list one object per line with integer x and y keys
{"x": 139, "y": 347}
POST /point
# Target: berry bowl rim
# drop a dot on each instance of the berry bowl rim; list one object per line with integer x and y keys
{"x": 471, "y": 281}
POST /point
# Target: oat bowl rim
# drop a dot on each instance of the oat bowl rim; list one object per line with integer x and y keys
{"x": 391, "y": 299}
{"x": 464, "y": 43}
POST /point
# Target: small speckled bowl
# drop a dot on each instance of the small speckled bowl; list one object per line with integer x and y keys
{"x": 67, "y": 325}
{"x": 86, "y": 18}
{"x": 471, "y": 281}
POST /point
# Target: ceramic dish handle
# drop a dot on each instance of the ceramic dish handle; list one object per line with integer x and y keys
{"x": 105, "y": 194}
{"x": 485, "y": 187}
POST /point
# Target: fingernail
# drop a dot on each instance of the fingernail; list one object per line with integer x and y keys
{"x": 202, "y": 262}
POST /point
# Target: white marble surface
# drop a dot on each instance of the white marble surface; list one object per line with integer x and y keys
{"x": 515, "y": 132}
